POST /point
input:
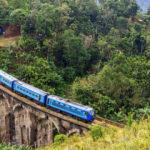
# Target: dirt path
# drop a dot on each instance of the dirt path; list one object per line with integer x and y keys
{"x": 5, "y": 42}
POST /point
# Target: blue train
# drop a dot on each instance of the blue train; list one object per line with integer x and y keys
{"x": 77, "y": 110}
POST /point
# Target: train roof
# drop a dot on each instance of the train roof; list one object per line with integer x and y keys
{"x": 7, "y": 76}
{"x": 71, "y": 103}
{"x": 32, "y": 88}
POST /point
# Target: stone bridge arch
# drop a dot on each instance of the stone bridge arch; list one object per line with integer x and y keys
{"x": 21, "y": 124}
{"x": 33, "y": 127}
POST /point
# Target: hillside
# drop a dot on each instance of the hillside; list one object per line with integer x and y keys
{"x": 135, "y": 138}
{"x": 99, "y": 52}
{"x": 96, "y": 54}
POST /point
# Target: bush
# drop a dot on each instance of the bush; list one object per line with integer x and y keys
{"x": 60, "y": 138}
{"x": 96, "y": 132}
{"x": 129, "y": 119}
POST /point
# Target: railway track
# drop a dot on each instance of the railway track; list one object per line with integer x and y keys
{"x": 107, "y": 122}
{"x": 98, "y": 120}
{"x": 43, "y": 108}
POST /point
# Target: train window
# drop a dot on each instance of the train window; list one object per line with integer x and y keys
{"x": 86, "y": 113}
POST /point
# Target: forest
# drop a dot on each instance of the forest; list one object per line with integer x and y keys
{"x": 94, "y": 52}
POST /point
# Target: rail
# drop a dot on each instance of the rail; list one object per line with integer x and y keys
{"x": 44, "y": 109}
{"x": 98, "y": 120}
{"x": 107, "y": 122}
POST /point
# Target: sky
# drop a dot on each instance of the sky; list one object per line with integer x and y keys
{"x": 143, "y": 4}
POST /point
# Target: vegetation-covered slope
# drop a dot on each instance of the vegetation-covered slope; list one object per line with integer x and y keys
{"x": 136, "y": 137}
{"x": 99, "y": 51}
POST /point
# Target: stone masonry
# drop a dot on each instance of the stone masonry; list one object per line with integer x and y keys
{"x": 21, "y": 124}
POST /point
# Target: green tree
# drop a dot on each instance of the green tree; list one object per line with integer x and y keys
{"x": 116, "y": 86}
{"x": 132, "y": 9}
{"x": 41, "y": 74}
{"x": 122, "y": 23}
{"x": 18, "y": 4}
{"x": 71, "y": 54}
{"x": 4, "y": 12}
{"x": 18, "y": 16}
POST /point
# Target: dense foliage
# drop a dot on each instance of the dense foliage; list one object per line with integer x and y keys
{"x": 97, "y": 53}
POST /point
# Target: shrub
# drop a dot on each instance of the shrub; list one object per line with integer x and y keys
{"x": 130, "y": 119}
{"x": 60, "y": 138}
{"x": 96, "y": 132}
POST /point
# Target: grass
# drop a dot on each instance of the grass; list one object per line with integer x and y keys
{"x": 5, "y": 42}
{"x": 136, "y": 137}
{"x": 8, "y": 147}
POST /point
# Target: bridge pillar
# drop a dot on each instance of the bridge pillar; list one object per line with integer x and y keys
{"x": 7, "y": 126}
{"x": 23, "y": 125}
{"x": 45, "y": 132}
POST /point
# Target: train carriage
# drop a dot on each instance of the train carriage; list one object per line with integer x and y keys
{"x": 30, "y": 91}
{"x": 75, "y": 109}
{"x": 7, "y": 79}
{"x": 71, "y": 108}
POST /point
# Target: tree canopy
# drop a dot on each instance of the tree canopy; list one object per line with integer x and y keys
{"x": 95, "y": 52}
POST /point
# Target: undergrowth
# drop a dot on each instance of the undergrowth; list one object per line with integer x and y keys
{"x": 136, "y": 137}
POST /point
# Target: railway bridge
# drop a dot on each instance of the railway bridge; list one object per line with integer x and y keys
{"x": 23, "y": 122}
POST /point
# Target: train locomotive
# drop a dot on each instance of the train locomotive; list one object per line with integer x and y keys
{"x": 57, "y": 103}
